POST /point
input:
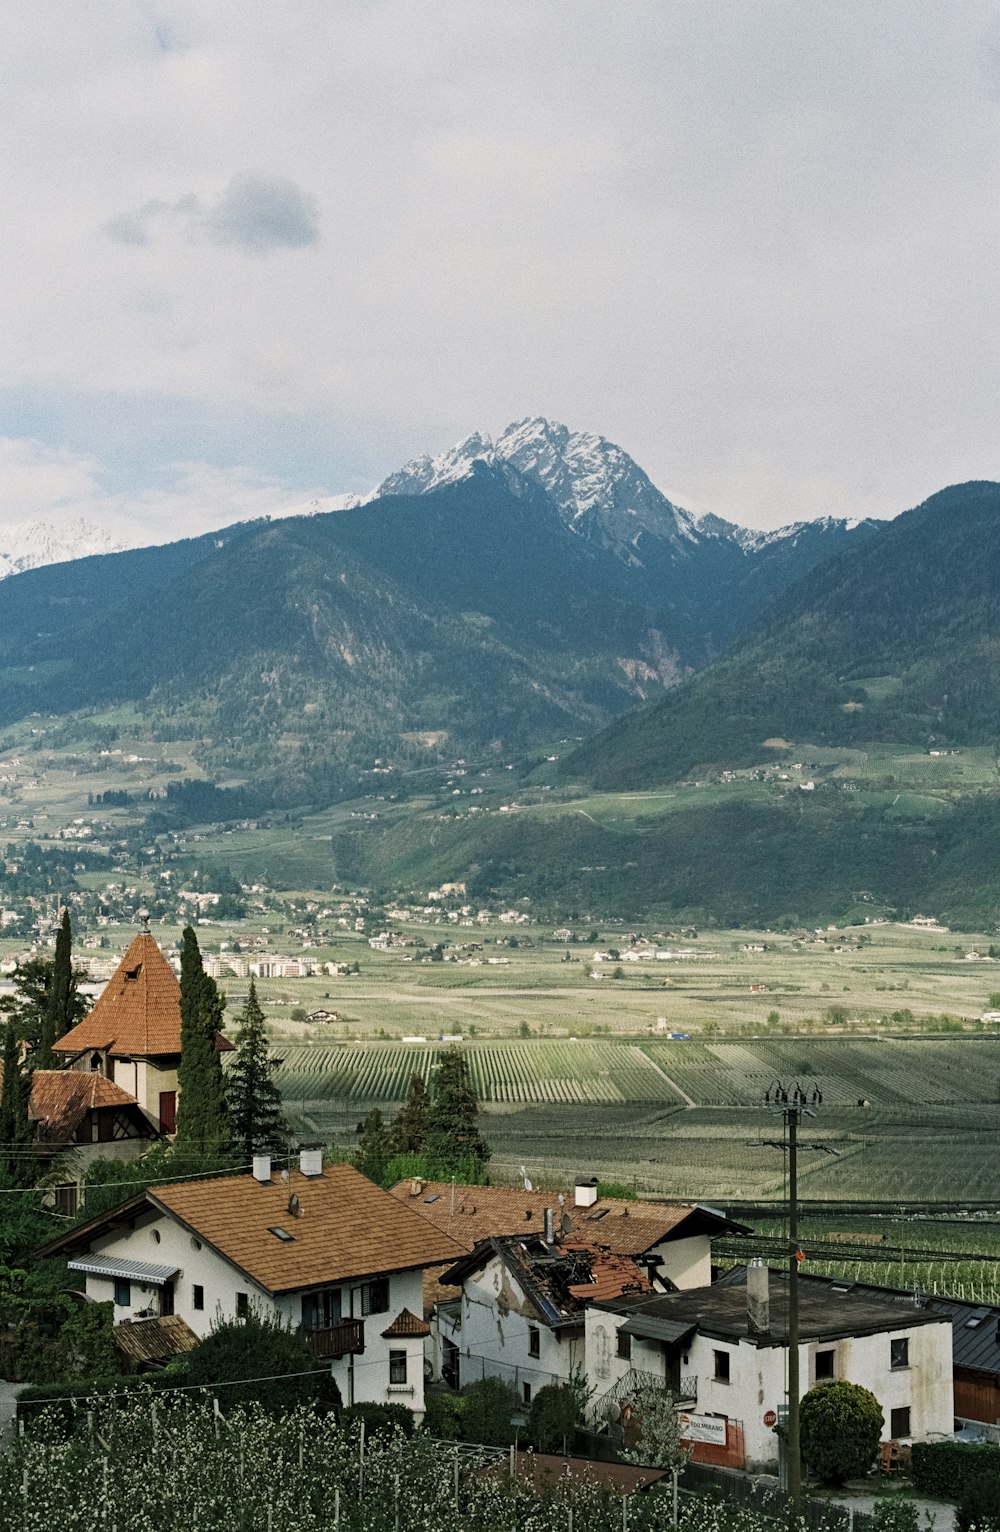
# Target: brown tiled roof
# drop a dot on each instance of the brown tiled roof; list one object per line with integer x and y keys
{"x": 61, "y": 1098}
{"x": 404, "y": 1325}
{"x": 481, "y": 1212}
{"x": 138, "y": 1013}
{"x": 344, "y": 1227}
{"x": 155, "y": 1340}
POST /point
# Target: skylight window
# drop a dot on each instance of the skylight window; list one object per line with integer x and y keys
{"x": 434, "y": 1197}
{"x": 281, "y": 1234}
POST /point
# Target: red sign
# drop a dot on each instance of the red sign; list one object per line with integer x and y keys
{"x": 770, "y": 1418}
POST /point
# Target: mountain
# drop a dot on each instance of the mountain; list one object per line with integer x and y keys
{"x": 897, "y": 638}
{"x": 718, "y": 576}
{"x": 28, "y": 544}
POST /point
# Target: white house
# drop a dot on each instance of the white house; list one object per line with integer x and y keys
{"x": 723, "y": 1351}
{"x": 521, "y": 1311}
{"x": 321, "y": 1248}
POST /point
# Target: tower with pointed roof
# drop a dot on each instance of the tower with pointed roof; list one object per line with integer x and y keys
{"x": 133, "y": 1034}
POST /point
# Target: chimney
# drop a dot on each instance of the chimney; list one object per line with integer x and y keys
{"x": 311, "y": 1160}
{"x": 416, "y": 1186}
{"x": 550, "y": 1226}
{"x": 262, "y": 1167}
{"x": 758, "y": 1299}
{"x": 586, "y": 1191}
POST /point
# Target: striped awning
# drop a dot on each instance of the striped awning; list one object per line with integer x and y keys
{"x": 129, "y": 1271}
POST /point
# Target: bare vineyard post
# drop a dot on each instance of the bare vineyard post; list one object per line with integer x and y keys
{"x": 456, "y": 1479}
{"x": 216, "y": 1412}
{"x": 512, "y": 1460}
{"x": 624, "y": 1513}
{"x": 395, "y": 1500}
{"x": 155, "y": 1422}
{"x": 361, "y": 1462}
{"x": 302, "y": 1444}
{"x": 105, "y": 1489}
{"x": 674, "y": 1495}
{"x": 336, "y": 1505}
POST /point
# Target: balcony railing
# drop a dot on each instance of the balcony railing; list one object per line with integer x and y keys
{"x": 346, "y": 1338}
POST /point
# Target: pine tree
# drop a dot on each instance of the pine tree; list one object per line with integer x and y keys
{"x": 252, "y": 1095}
{"x": 202, "y": 1126}
{"x": 409, "y": 1128}
{"x": 453, "y": 1139}
{"x": 60, "y": 1007}
{"x": 16, "y": 1167}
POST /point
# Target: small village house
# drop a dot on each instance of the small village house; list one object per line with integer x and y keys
{"x": 318, "y": 1247}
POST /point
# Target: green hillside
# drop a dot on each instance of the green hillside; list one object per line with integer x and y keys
{"x": 897, "y": 639}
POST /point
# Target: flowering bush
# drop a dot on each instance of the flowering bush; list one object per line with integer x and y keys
{"x": 155, "y": 1463}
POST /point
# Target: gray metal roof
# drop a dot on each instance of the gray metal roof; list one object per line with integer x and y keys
{"x": 650, "y": 1327}
{"x": 130, "y": 1271}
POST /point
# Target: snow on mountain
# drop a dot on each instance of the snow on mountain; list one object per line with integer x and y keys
{"x": 598, "y": 489}
{"x": 29, "y": 544}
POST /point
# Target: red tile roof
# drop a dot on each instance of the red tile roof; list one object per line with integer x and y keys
{"x": 154, "y": 1340}
{"x": 406, "y": 1324}
{"x": 138, "y": 1014}
{"x": 61, "y": 1098}
{"x": 344, "y": 1227}
{"x": 474, "y": 1213}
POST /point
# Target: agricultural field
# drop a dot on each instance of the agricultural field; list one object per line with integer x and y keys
{"x": 688, "y": 1119}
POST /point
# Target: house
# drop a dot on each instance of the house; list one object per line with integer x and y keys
{"x": 318, "y": 1247}
{"x": 722, "y": 1350}
{"x": 521, "y": 1311}
{"x": 132, "y": 1036}
{"x": 671, "y": 1242}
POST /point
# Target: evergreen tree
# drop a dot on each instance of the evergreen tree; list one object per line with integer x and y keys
{"x": 252, "y": 1095}
{"x": 59, "y": 1010}
{"x": 29, "y": 1005}
{"x": 16, "y": 1166}
{"x": 453, "y": 1138}
{"x": 409, "y": 1129}
{"x": 374, "y": 1146}
{"x": 202, "y": 1125}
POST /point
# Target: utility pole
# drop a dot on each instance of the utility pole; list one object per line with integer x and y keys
{"x": 793, "y": 1104}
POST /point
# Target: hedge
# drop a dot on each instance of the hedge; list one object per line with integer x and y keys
{"x": 948, "y": 1468}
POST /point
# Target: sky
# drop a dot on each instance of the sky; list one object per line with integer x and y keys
{"x": 255, "y": 255}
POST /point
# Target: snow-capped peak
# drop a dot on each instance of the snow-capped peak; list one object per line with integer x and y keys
{"x": 597, "y": 488}
{"x": 29, "y": 544}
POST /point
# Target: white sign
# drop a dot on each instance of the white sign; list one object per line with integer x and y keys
{"x": 703, "y": 1428}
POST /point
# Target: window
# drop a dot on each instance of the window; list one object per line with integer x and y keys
{"x": 242, "y": 1305}
{"x": 123, "y": 1292}
{"x": 624, "y": 1346}
{"x": 526, "y": 1392}
{"x": 198, "y": 1296}
{"x": 899, "y": 1422}
{"x": 397, "y": 1366}
{"x": 899, "y": 1352}
{"x": 721, "y": 1366}
{"x": 375, "y": 1296}
{"x": 321, "y": 1311}
{"x": 534, "y": 1341}
{"x": 824, "y": 1366}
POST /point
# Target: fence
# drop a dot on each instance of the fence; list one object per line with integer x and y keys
{"x": 818, "y": 1515}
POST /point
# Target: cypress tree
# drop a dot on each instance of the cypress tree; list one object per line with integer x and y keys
{"x": 60, "y": 1009}
{"x": 453, "y": 1139}
{"x": 252, "y": 1095}
{"x": 16, "y": 1134}
{"x": 202, "y": 1126}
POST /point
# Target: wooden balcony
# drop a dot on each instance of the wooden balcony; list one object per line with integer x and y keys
{"x": 346, "y": 1338}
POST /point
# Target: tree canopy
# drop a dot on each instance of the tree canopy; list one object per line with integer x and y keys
{"x": 453, "y": 1138}
{"x": 840, "y": 1429}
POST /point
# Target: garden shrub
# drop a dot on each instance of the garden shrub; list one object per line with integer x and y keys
{"x": 979, "y": 1507}
{"x": 379, "y": 1419}
{"x": 947, "y": 1468}
{"x": 487, "y": 1407}
{"x": 555, "y": 1415}
{"x": 895, "y": 1516}
{"x": 443, "y": 1416}
{"x": 251, "y": 1360}
{"x": 841, "y": 1427}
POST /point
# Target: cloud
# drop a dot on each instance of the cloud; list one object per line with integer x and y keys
{"x": 60, "y": 488}
{"x": 255, "y": 213}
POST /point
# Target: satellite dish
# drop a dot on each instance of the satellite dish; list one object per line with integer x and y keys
{"x": 293, "y": 1205}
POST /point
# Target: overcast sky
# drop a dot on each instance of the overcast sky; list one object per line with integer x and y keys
{"x": 255, "y": 253}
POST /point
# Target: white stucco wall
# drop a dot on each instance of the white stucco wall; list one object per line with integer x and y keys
{"x": 492, "y": 1329}
{"x": 687, "y": 1262}
{"x": 361, "y": 1378}
{"x": 757, "y": 1376}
